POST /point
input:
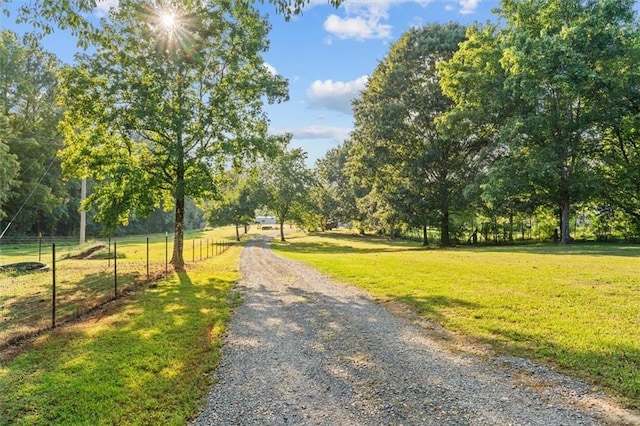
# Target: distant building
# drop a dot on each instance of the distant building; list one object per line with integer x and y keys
{"x": 265, "y": 220}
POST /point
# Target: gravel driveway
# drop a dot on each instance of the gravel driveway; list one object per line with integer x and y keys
{"x": 304, "y": 350}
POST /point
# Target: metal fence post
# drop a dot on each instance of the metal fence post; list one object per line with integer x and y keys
{"x": 115, "y": 269}
{"x": 53, "y": 298}
{"x": 147, "y": 258}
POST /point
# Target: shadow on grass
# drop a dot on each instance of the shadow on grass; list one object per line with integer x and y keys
{"x": 24, "y": 315}
{"x": 380, "y": 245}
{"x": 577, "y": 249}
{"x": 138, "y": 364}
{"x": 616, "y": 367}
{"x": 432, "y": 306}
{"x": 342, "y": 246}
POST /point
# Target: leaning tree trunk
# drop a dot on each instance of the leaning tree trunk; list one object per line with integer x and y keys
{"x": 237, "y": 232}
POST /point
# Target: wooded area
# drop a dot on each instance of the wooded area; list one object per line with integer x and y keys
{"x": 524, "y": 128}
{"x": 502, "y": 127}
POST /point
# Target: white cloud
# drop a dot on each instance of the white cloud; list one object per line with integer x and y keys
{"x": 364, "y": 21}
{"x": 272, "y": 70}
{"x": 335, "y": 133}
{"x": 468, "y": 6}
{"x": 367, "y": 19}
{"x": 338, "y": 134}
{"x": 335, "y": 95}
{"x": 103, "y": 6}
{"x": 358, "y": 28}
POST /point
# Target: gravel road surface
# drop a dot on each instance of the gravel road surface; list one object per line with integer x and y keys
{"x": 303, "y": 350}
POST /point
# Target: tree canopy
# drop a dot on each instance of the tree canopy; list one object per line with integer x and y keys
{"x": 549, "y": 69}
{"x": 162, "y": 107}
{"x": 533, "y": 115}
{"x": 286, "y": 181}
{"x": 418, "y": 167}
{"x": 33, "y": 195}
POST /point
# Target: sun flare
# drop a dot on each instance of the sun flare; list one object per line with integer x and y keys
{"x": 168, "y": 20}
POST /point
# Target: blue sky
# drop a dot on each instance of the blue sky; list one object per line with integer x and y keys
{"x": 327, "y": 55}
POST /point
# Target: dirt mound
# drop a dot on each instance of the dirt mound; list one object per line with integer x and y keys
{"x": 86, "y": 254}
{"x": 24, "y": 267}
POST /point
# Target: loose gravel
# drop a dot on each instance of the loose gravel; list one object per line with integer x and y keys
{"x": 304, "y": 350}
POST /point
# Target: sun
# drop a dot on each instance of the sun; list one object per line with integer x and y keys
{"x": 171, "y": 27}
{"x": 168, "y": 20}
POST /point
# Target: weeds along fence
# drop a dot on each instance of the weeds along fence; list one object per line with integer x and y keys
{"x": 46, "y": 283}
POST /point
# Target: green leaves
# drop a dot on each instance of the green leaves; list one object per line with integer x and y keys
{"x": 414, "y": 166}
{"x": 286, "y": 181}
{"x": 170, "y": 106}
{"x": 32, "y": 193}
{"x": 540, "y": 86}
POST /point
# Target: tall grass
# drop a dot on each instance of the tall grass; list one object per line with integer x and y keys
{"x": 576, "y": 307}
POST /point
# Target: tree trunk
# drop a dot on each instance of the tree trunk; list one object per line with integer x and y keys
{"x": 565, "y": 237}
{"x": 510, "y": 227}
{"x": 445, "y": 240}
{"x": 425, "y": 236}
{"x": 237, "y": 232}
{"x": 282, "y": 231}
{"x": 177, "y": 259}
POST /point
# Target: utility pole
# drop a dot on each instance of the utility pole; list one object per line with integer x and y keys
{"x": 83, "y": 213}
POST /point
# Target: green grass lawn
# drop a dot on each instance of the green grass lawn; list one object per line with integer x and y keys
{"x": 146, "y": 359}
{"x": 576, "y": 307}
{"x": 81, "y": 284}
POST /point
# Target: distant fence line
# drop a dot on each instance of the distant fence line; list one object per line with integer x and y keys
{"x": 45, "y": 284}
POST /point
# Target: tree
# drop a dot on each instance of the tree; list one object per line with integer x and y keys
{"x": 419, "y": 167}
{"x": 239, "y": 200}
{"x": 45, "y": 15}
{"x": 549, "y": 67}
{"x": 286, "y": 181}
{"x": 337, "y": 190}
{"x": 9, "y": 166}
{"x": 38, "y": 199}
{"x": 172, "y": 95}
{"x": 619, "y": 111}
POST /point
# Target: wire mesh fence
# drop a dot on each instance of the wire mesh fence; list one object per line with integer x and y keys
{"x": 46, "y": 283}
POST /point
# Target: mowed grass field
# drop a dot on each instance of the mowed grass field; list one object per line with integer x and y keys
{"x": 143, "y": 359}
{"x": 576, "y": 307}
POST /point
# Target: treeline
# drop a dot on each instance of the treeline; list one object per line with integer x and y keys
{"x": 530, "y": 123}
{"x": 35, "y": 198}
{"x": 527, "y": 127}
